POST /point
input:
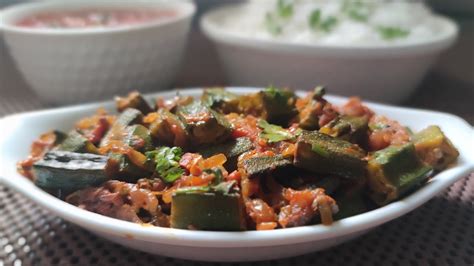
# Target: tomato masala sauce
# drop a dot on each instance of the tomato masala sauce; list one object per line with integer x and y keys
{"x": 95, "y": 18}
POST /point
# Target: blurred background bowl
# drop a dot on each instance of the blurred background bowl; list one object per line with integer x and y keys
{"x": 74, "y": 65}
{"x": 387, "y": 73}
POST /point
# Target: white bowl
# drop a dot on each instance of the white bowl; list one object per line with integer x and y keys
{"x": 18, "y": 131}
{"x": 388, "y": 73}
{"x": 75, "y": 65}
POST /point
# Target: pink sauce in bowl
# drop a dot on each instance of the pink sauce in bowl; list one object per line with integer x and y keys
{"x": 95, "y": 18}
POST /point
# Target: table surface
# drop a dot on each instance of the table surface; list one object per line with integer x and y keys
{"x": 441, "y": 232}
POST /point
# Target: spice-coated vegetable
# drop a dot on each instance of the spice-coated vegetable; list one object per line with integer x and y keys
{"x": 394, "y": 171}
{"x": 70, "y": 170}
{"x": 321, "y": 153}
{"x": 260, "y": 161}
{"x": 434, "y": 148}
{"x": 204, "y": 125}
{"x": 75, "y": 142}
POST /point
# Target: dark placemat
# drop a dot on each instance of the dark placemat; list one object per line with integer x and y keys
{"x": 441, "y": 232}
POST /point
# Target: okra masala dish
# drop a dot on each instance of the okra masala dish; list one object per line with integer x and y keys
{"x": 228, "y": 162}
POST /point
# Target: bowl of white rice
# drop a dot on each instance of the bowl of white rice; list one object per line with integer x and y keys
{"x": 379, "y": 50}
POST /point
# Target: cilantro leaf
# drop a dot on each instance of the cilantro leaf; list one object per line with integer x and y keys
{"x": 225, "y": 187}
{"x": 274, "y": 20}
{"x": 278, "y": 94}
{"x": 285, "y": 8}
{"x": 274, "y": 133}
{"x": 218, "y": 176}
{"x": 391, "y": 33}
{"x": 328, "y": 24}
{"x": 315, "y": 18}
{"x": 272, "y": 24}
{"x": 316, "y": 22}
{"x": 167, "y": 162}
{"x": 357, "y": 10}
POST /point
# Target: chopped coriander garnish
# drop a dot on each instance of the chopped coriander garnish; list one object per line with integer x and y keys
{"x": 315, "y": 18}
{"x": 285, "y": 8}
{"x": 225, "y": 188}
{"x": 357, "y": 10}
{"x": 328, "y": 24}
{"x": 218, "y": 177}
{"x": 273, "y": 20}
{"x": 280, "y": 95}
{"x": 272, "y": 24}
{"x": 316, "y": 22}
{"x": 391, "y": 33}
{"x": 272, "y": 90}
{"x": 167, "y": 162}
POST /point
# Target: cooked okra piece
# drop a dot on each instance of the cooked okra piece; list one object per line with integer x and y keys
{"x": 312, "y": 109}
{"x": 351, "y": 204}
{"x": 321, "y": 153}
{"x": 277, "y": 106}
{"x": 70, "y": 170}
{"x": 394, "y": 171}
{"x": 168, "y": 129}
{"x": 220, "y": 100}
{"x": 133, "y": 100}
{"x": 75, "y": 142}
{"x": 128, "y": 117}
{"x": 204, "y": 125}
{"x": 264, "y": 164}
{"x": 138, "y": 137}
{"x": 350, "y": 128}
{"x": 231, "y": 149}
{"x": 204, "y": 208}
{"x": 434, "y": 148}
{"x": 126, "y": 170}
{"x": 329, "y": 184}
{"x": 59, "y": 136}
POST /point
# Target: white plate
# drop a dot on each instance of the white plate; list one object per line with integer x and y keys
{"x": 18, "y": 131}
